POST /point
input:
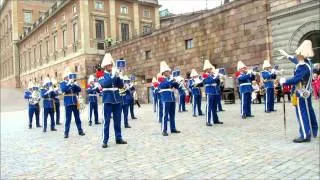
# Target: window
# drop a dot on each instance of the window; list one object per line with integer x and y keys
{"x": 189, "y": 44}
{"x": 124, "y": 31}
{"x": 99, "y": 5}
{"x": 40, "y": 51}
{"x": 99, "y": 29}
{"x": 146, "y": 29}
{"x": 146, "y": 14}
{"x": 55, "y": 43}
{"x": 29, "y": 62}
{"x": 74, "y": 8}
{"x": 47, "y": 48}
{"x": 124, "y": 10}
{"x": 55, "y": 74}
{"x": 75, "y": 32}
{"x": 148, "y": 54}
{"x": 34, "y": 55}
{"x": 64, "y": 38}
{"x": 76, "y": 68}
{"x": 28, "y": 17}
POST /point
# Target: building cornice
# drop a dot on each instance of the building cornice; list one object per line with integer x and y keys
{"x": 314, "y": 4}
{"x": 4, "y": 3}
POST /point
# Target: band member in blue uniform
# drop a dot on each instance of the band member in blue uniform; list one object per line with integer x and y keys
{"x": 194, "y": 84}
{"x": 159, "y": 102}
{"x": 245, "y": 78}
{"x": 93, "y": 91}
{"x": 48, "y": 94}
{"x": 131, "y": 101}
{"x": 71, "y": 89}
{"x": 210, "y": 82}
{"x": 154, "y": 95}
{"x": 56, "y": 99}
{"x": 32, "y": 94}
{"x": 301, "y": 81}
{"x": 182, "y": 94}
{"x": 220, "y": 88}
{"x": 126, "y": 99}
{"x": 111, "y": 82}
{"x": 268, "y": 75}
{"x": 167, "y": 97}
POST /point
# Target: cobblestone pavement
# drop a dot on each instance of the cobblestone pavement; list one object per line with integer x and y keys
{"x": 254, "y": 148}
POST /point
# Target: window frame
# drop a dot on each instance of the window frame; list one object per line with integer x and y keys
{"x": 149, "y": 12}
{"x": 189, "y": 44}
{"x": 98, "y": 2}
{"x": 124, "y": 7}
{"x": 24, "y": 16}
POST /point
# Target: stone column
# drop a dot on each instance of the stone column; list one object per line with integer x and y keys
{"x": 113, "y": 24}
{"x": 84, "y": 25}
{"x": 15, "y": 38}
{"x": 156, "y": 18}
{"x": 136, "y": 23}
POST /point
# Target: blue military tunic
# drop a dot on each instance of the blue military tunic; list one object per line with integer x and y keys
{"x": 182, "y": 98}
{"x": 169, "y": 103}
{"x": 304, "y": 110}
{"x": 268, "y": 80}
{"x": 32, "y": 109}
{"x": 196, "y": 97}
{"x": 48, "y": 106}
{"x": 246, "y": 89}
{"x": 112, "y": 104}
{"x": 70, "y": 92}
{"x": 93, "y": 103}
{"x": 212, "y": 89}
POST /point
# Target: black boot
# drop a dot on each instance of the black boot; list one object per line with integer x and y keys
{"x": 82, "y": 133}
{"x": 53, "y": 129}
{"x": 175, "y": 131}
{"x": 134, "y": 117}
{"x": 104, "y": 145}
{"x": 243, "y": 116}
{"x": 66, "y": 136}
{"x": 90, "y": 123}
{"x": 97, "y": 122}
{"x": 58, "y": 123}
{"x": 30, "y": 126}
{"x": 121, "y": 141}
{"x": 127, "y": 126}
{"x": 164, "y": 134}
{"x": 38, "y": 126}
{"x": 218, "y": 122}
{"x": 301, "y": 140}
{"x": 208, "y": 124}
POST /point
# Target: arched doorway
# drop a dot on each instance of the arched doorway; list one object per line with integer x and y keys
{"x": 314, "y": 37}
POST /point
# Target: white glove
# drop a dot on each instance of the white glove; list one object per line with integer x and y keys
{"x": 282, "y": 80}
{"x": 250, "y": 72}
{"x": 76, "y": 83}
{"x": 96, "y": 85}
{"x": 282, "y": 52}
{"x": 273, "y": 71}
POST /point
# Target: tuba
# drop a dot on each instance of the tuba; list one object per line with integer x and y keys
{"x": 35, "y": 97}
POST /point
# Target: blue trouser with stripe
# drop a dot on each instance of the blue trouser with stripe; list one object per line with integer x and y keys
{"x": 115, "y": 109}
{"x": 46, "y": 112}
{"x": 155, "y": 101}
{"x": 35, "y": 111}
{"x": 69, "y": 110}
{"x": 211, "y": 108}
{"x": 306, "y": 118}
{"x": 196, "y": 104}
{"x": 125, "y": 109}
{"x": 159, "y": 111}
{"x": 131, "y": 106}
{"x": 57, "y": 112}
{"x": 246, "y": 104}
{"x": 169, "y": 109}
{"x": 269, "y": 100}
{"x": 182, "y": 103}
{"x": 93, "y": 109}
{"x": 219, "y": 102}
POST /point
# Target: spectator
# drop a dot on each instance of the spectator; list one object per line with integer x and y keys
{"x": 287, "y": 91}
{"x": 256, "y": 97}
{"x": 135, "y": 97}
{"x": 278, "y": 90}
{"x": 316, "y": 86}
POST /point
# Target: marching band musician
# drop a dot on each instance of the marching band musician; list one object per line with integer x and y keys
{"x": 182, "y": 94}
{"x": 219, "y": 89}
{"x": 70, "y": 90}
{"x": 56, "y": 101}
{"x": 159, "y": 102}
{"x": 154, "y": 95}
{"x": 93, "y": 90}
{"x": 195, "y": 84}
{"x": 245, "y": 78}
{"x": 167, "y": 98}
{"x": 33, "y": 103}
{"x": 126, "y": 99}
{"x": 301, "y": 99}
{"x": 111, "y": 83}
{"x": 48, "y": 94}
{"x": 268, "y": 75}
{"x": 131, "y": 100}
{"x": 210, "y": 82}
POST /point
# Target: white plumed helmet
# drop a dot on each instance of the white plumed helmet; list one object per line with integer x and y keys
{"x": 208, "y": 65}
{"x": 193, "y": 73}
{"x": 266, "y": 64}
{"x": 164, "y": 67}
{"x": 240, "y": 65}
{"x": 305, "y": 49}
{"x": 107, "y": 60}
